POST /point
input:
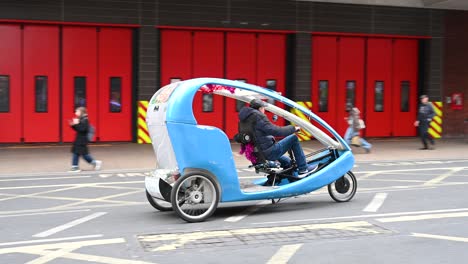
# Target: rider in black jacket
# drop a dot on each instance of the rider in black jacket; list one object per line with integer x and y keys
{"x": 265, "y": 133}
{"x": 425, "y": 115}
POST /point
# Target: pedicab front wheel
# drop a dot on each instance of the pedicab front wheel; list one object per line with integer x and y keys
{"x": 195, "y": 196}
{"x": 343, "y": 189}
{"x": 160, "y": 205}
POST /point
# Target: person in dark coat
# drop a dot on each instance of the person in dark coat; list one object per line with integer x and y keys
{"x": 425, "y": 115}
{"x": 265, "y": 133}
{"x": 80, "y": 146}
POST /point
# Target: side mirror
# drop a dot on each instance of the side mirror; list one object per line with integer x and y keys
{"x": 275, "y": 118}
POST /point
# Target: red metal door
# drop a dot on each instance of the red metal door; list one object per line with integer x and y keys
{"x": 176, "y": 55}
{"x": 405, "y": 86}
{"x": 10, "y": 84}
{"x": 115, "y": 84}
{"x": 208, "y": 61}
{"x": 379, "y": 88}
{"x": 271, "y": 62}
{"x": 350, "y": 88}
{"x": 41, "y": 83}
{"x": 324, "y": 69}
{"x": 241, "y": 58}
{"x": 79, "y": 82}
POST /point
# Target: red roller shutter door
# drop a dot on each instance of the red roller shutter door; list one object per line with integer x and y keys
{"x": 208, "y": 61}
{"x": 79, "y": 56}
{"x": 41, "y": 83}
{"x": 241, "y": 59}
{"x": 350, "y": 88}
{"x": 379, "y": 88}
{"x": 10, "y": 84}
{"x": 324, "y": 68}
{"x": 115, "y": 84}
{"x": 405, "y": 86}
{"x": 176, "y": 55}
{"x": 271, "y": 62}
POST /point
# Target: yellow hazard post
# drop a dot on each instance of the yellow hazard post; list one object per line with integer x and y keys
{"x": 142, "y": 129}
{"x": 304, "y": 135}
{"x": 435, "y": 127}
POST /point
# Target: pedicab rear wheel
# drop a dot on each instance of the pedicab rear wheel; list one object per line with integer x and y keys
{"x": 195, "y": 196}
{"x": 343, "y": 189}
{"x": 160, "y": 205}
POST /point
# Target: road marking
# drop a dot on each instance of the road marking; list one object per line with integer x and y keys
{"x": 47, "y": 240}
{"x": 284, "y": 254}
{"x": 77, "y": 185}
{"x": 450, "y": 238}
{"x": 69, "y": 225}
{"x": 443, "y": 176}
{"x": 375, "y": 204}
{"x": 178, "y": 240}
{"x": 247, "y": 211}
{"x": 45, "y": 213}
{"x": 422, "y": 217}
{"x": 51, "y": 178}
{"x": 64, "y": 251}
{"x": 365, "y": 216}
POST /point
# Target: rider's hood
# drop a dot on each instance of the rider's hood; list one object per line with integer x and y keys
{"x": 245, "y": 112}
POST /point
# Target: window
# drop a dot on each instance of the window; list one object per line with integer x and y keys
{"x": 240, "y": 104}
{"x": 379, "y": 96}
{"x": 80, "y": 92}
{"x": 4, "y": 94}
{"x": 350, "y": 94}
{"x": 323, "y": 96}
{"x": 404, "y": 97}
{"x": 176, "y": 79}
{"x": 115, "y": 94}
{"x": 207, "y": 103}
{"x": 271, "y": 84}
{"x": 41, "y": 94}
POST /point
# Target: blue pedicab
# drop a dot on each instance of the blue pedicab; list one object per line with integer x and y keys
{"x": 195, "y": 165}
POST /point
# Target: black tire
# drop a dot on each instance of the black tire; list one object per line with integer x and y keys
{"x": 343, "y": 189}
{"x": 160, "y": 205}
{"x": 195, "y": 196}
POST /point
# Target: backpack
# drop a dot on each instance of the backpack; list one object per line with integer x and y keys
{"x": 246, "y": 129}
{"x": 91, "y": 132}
{"x": 246, "y": 136}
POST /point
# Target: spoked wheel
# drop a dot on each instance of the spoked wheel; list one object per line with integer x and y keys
{"x": 343, "y": 189}
{"x": 160, "y": 205}
{"x": 195, "y": 196}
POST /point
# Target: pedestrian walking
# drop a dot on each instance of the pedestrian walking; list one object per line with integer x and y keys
{"x": 425, "y": 115}
{"x": 353, "y": 134}
{"x": 80, "y": 146}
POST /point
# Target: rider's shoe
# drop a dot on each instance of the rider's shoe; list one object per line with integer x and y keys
{"x": 307, "y": 171}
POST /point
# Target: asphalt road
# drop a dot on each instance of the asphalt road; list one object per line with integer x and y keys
{"x": 403, "y": 212}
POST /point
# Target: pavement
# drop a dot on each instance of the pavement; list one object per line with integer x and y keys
{"x": 56, "y": 158}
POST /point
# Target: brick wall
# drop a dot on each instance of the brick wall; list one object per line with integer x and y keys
{"x": 456, "y": 72}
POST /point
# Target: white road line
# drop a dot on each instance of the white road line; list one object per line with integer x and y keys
{"x": 375, "y": 204}
{"x": 69, "y": 225}
{"x": 47, "y": 240}
{"x": 364, "y": 216}
{"x": 450, "y": 238}
{"x": 92, "y": 184}
{"x": 421, "y": 217}
{"x": 45, "y": 213}
{"x": 443, "y": 176}
{"x": 51, "y": 178}
{"x": 283, "y": 255}
{"x": 247, "y": 211}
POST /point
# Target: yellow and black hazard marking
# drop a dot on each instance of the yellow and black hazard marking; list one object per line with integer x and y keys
{"x": 304, "y": 135}
{"x": 435, "y": 127}
{"x": 142, "y": 129}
